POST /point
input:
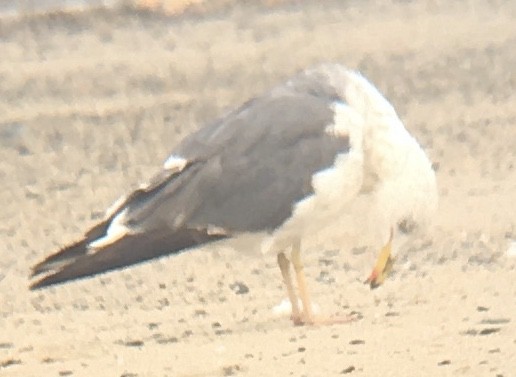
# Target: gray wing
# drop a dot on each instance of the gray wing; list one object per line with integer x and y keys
{"x": 242, "y": 173}
{"x": 248, "y": 169}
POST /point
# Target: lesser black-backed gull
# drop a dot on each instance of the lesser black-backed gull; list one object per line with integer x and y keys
{"x": 285, "y": 164}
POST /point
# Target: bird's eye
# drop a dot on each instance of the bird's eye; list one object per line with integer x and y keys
{"x": 407, "y": 225}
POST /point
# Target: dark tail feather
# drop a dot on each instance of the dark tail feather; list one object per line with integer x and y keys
{"x": 74, "y": 262}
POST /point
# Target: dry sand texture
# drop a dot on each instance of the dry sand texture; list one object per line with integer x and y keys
{"x": 92, "y": 102}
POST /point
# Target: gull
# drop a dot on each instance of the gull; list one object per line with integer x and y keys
{"x": 323, "y": 150}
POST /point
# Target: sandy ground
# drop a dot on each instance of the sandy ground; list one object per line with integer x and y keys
{"x": 91, "y": 103}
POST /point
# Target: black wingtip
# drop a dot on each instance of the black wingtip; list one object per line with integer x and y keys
{"x": 60, "y": 258}
{"x": 52, "y": 279}
{"x": 78, "y": 261}
{"x": 41, "y": 283}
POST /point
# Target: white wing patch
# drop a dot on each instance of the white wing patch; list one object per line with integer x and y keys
{"x": 115, "y": 231}
{"x": 175, "y": 163}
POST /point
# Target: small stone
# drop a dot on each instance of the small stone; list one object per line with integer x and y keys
{"x": 187, "y": 333}
{"x": 200, "y": 313}
{"x": 392, "y": 314}
{"x": 239, "y": 288}
{"x": 489, "y": 330}
{"x": 230, "y": 370}
{"x": 495, "y": 321}
{"x": 9, "y": 362}
{"x": 132, "y": 343}
{"x": 222, "y": 331}
{"x": 348, "y": 370}
{"x": 166, "y": 340}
